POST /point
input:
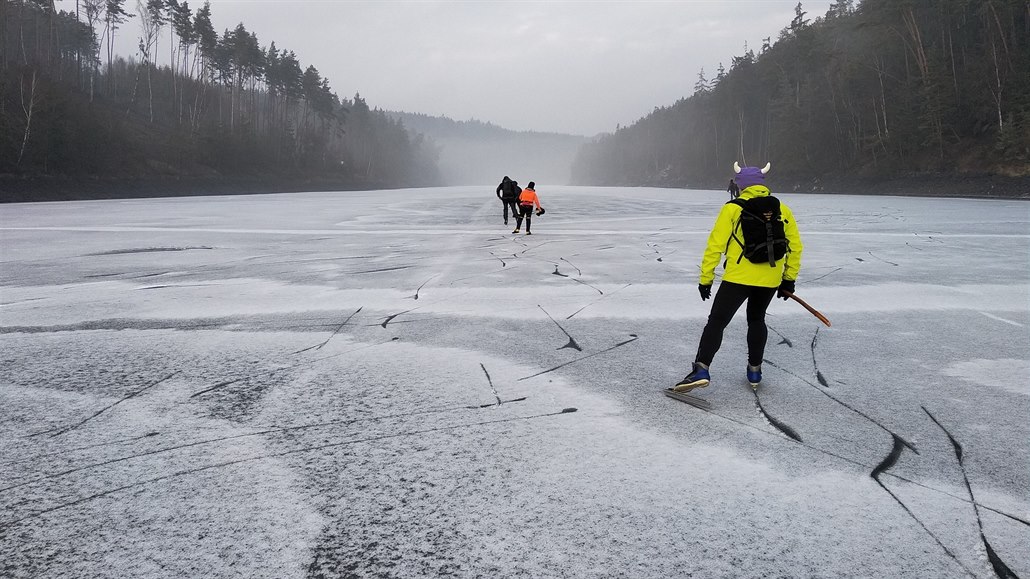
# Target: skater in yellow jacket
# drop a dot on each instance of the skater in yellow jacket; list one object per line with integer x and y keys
{"x": 757, "y": 268}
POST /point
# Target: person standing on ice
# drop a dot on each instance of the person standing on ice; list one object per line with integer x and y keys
{"x": 733, "y": 190}
{"x": 527, "y": 199}
{"x": 508, "y": 193}
{"x": 744, "y": 279}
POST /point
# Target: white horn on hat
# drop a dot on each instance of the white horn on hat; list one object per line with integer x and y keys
{"x": 766, "y": 168}
{"x": 736, "y": 167}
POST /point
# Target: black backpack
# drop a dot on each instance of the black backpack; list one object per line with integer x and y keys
{"x": 761, "y": 225}
{"x": 509, "y": 190}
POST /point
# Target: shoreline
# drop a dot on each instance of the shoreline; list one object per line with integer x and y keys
{"x": 15, "y": 189}
{"x": 55, "y": 188}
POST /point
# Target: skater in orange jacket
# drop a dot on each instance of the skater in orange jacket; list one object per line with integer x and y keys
{"x": 528, "y": 199}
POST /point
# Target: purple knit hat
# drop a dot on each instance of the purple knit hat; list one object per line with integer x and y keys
{"x": 748, "y": 176}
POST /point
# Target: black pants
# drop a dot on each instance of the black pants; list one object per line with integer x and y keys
{"x": 513, "y": 204}
{"x": 726, "y": 303}
{"x": 527, "y": 214}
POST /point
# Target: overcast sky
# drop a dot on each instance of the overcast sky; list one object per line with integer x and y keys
{"x": 578, "y": 67}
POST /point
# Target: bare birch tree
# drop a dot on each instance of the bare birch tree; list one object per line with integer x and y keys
{"x": 28, "y": 107}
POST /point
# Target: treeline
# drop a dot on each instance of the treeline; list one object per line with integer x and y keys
{"x": 886, "y": 88}
{"x": 223, "y": 106}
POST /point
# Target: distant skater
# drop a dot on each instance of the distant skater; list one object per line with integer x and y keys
{"x": 508, "y": 192}
{"x": 760, "y": 239}
{"x": 527, "y": 199}
{"x": 733, "y": 190}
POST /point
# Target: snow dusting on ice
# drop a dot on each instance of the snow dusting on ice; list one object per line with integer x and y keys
{"x": 392, "y": 384}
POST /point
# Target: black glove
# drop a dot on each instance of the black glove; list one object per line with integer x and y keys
{"x": 539, "y": 212}
{"x": 705, "y": 291}
{"x": 786, "y": 285}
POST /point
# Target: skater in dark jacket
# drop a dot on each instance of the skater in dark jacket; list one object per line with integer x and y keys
{"x": 733, "y": 190}
{"x": 508, "y": 192}
{"x": 527, "y": 199}
{"x": 743, "y": 280}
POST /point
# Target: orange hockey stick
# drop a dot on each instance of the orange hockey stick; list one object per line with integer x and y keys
{"x": 814, "y": 311}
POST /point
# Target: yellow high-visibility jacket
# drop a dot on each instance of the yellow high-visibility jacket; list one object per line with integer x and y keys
{"x": 721, "y": 241}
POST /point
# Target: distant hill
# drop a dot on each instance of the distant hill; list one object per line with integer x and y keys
{"x": 919, "y": 97}
{"x": 474, "y": 152}
{"x": 228, "y": 115}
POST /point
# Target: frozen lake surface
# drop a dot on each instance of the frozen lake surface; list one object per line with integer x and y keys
{"x": 391, "y": 384}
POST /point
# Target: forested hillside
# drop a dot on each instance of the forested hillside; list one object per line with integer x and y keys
{"x": 226, "y": 113}
{"x": 474, "y": 152}
{"x": 872, "y": 91}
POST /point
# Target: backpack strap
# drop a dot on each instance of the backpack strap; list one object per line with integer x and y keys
{"x": 733, "y": 234}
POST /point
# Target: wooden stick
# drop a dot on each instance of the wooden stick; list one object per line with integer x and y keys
{"x": 814, "y": 311}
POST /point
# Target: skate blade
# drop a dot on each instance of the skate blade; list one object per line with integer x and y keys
{"x": 692, "y": 400}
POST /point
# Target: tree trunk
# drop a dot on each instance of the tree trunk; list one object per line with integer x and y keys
{"x": 4, "y": 7}
{"x": 996, "y": 90}
{"x": 50, "y": 37}
{"x": 740, "y": 124}
{"x": 954, "y": 71}
{"x": 150, "y": 90}
{"x": 78, "y": 50}
{"x": 21, "y": 39}
{"x": 918, "y": 52}
{"x": 110, "y": 59}
{"x": 135, "y": 87}
{"x": 171, "y": 54}
{"x": 883, "y": 99}
{"x": 27, "y": 109}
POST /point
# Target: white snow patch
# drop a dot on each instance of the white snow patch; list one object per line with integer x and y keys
{"x": 1007, "y": 373}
